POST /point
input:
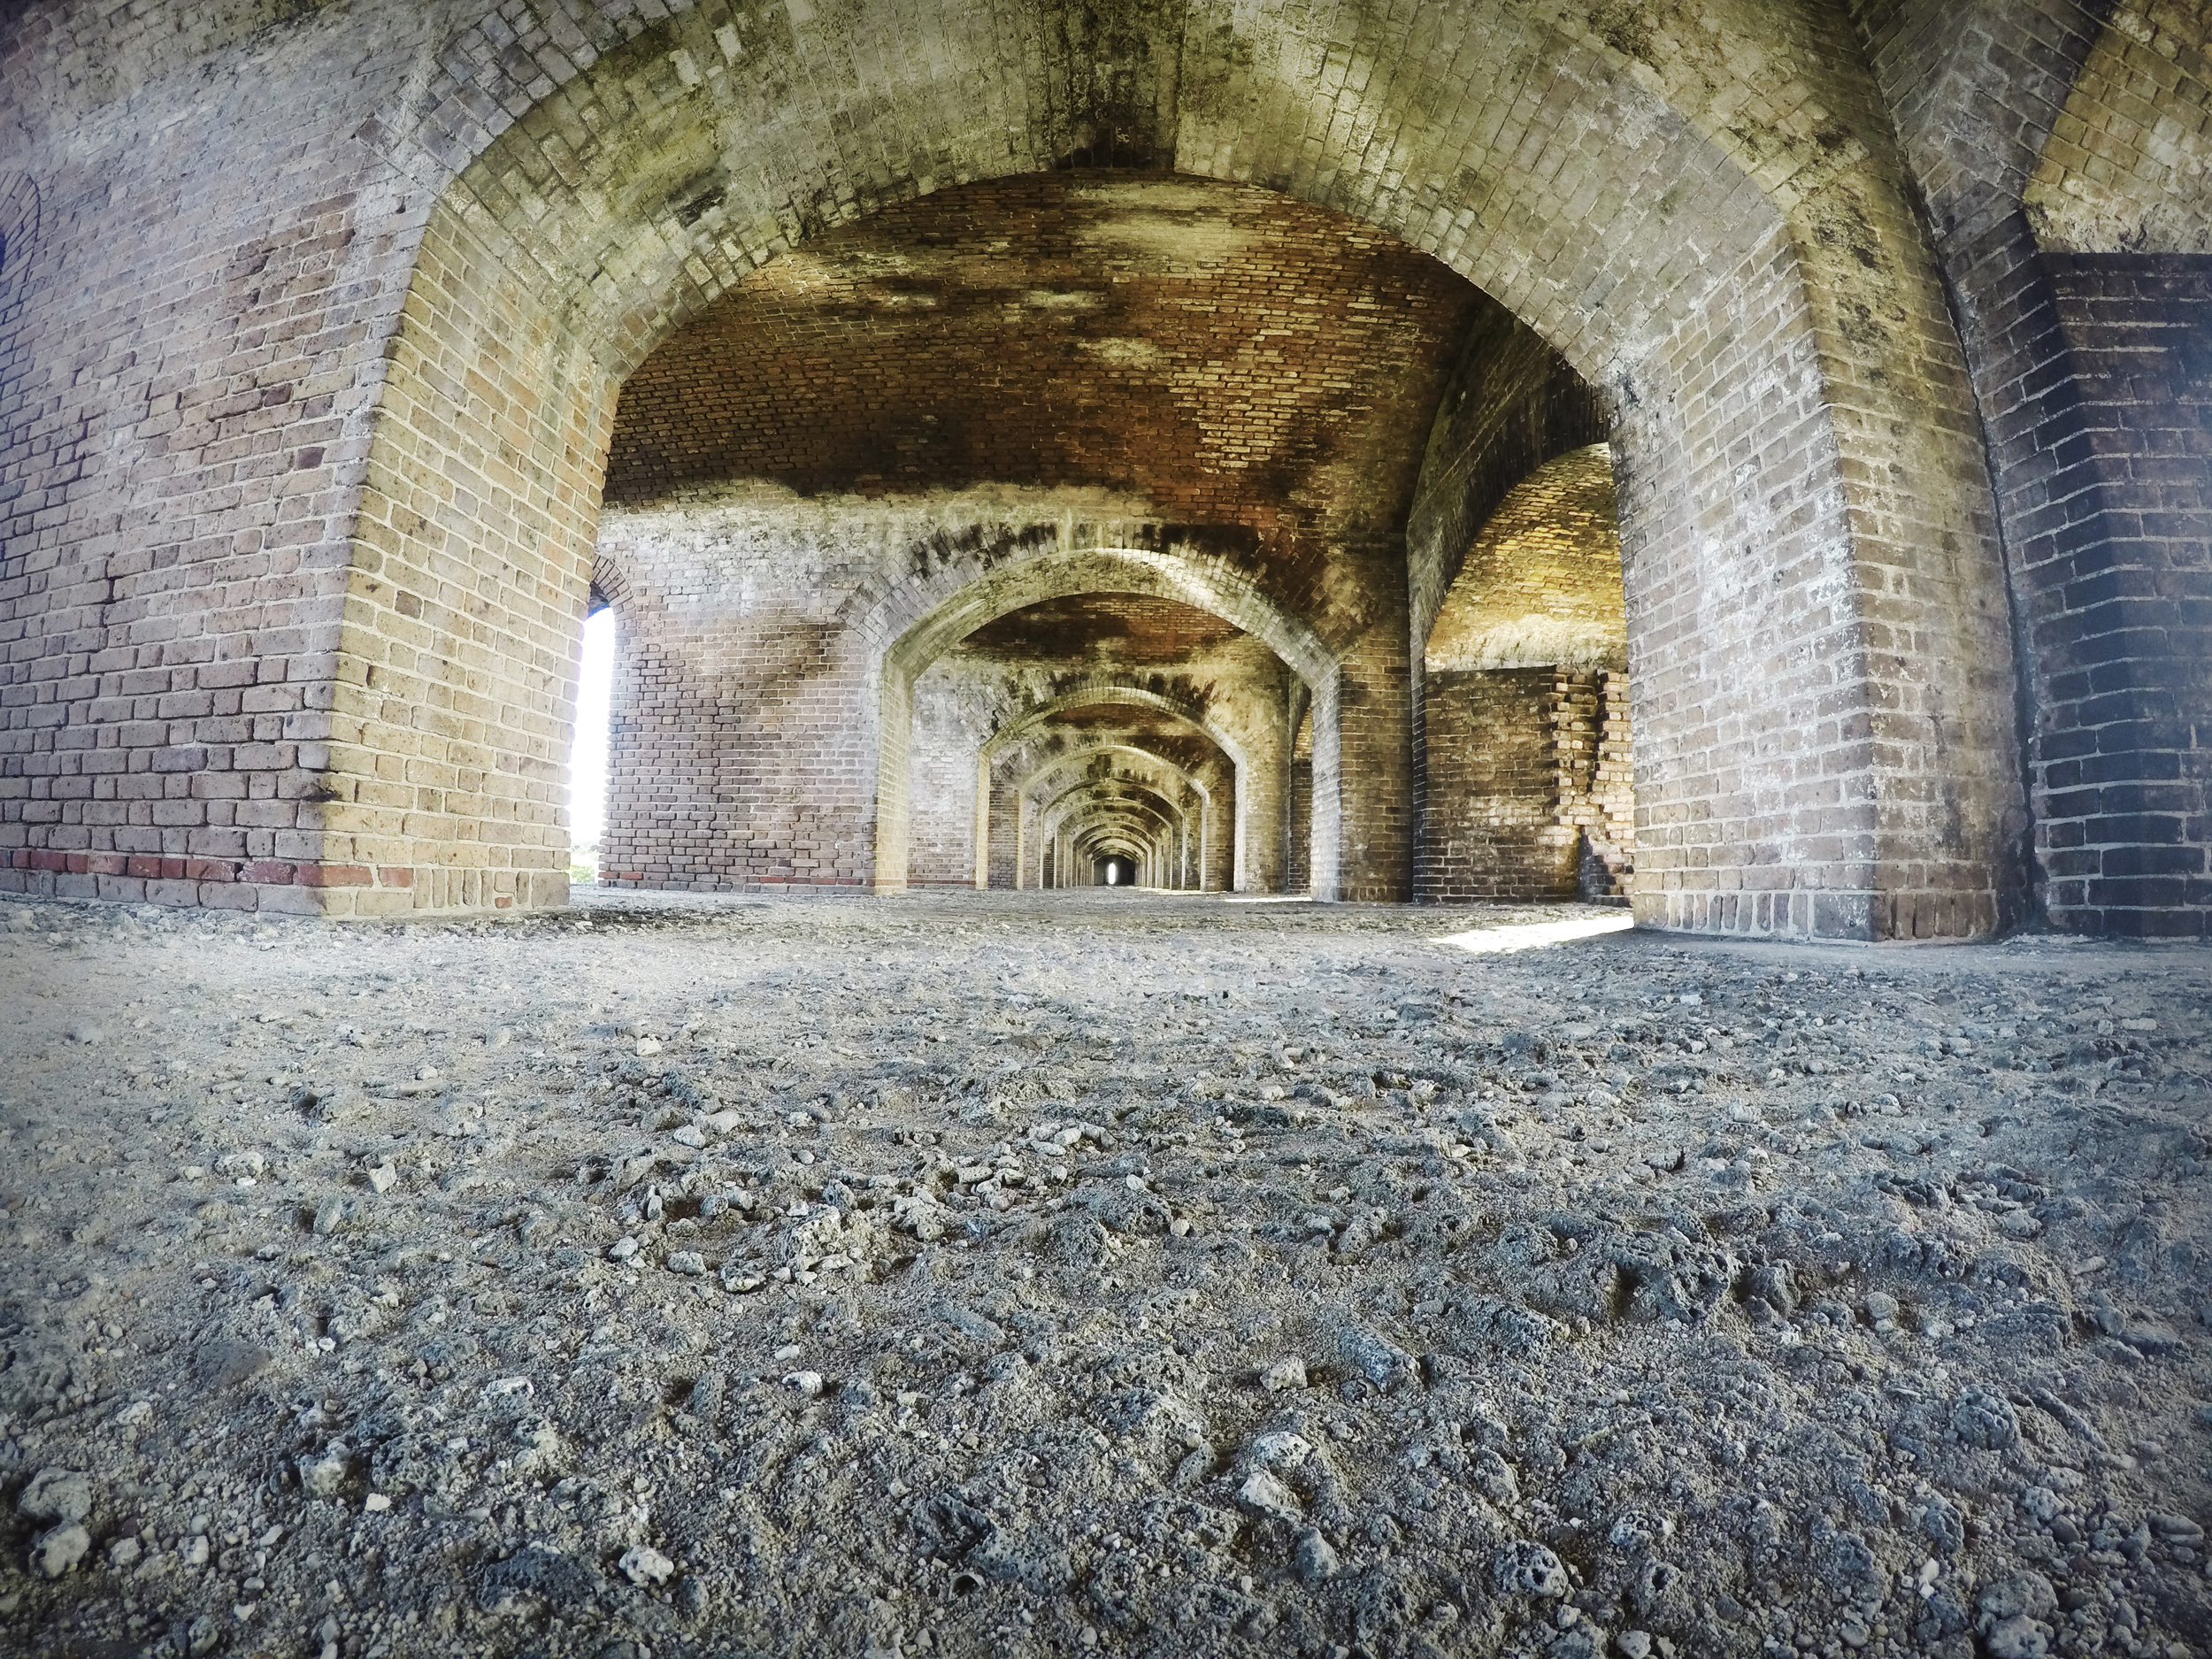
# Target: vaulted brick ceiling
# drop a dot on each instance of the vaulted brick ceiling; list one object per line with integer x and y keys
{"x": 1136, "y": 628}
{"x": 1239, "y": 359}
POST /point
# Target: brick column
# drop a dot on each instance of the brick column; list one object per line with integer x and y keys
{"x": 1375, "y": 786}
{"x": 1259, "y": 810}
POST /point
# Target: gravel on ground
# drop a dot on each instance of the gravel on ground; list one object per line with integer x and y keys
{"x": 1076, "y": 1273}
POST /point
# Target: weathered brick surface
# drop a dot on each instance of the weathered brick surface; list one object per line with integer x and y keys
{"x": 1528, "y": 768}
{"x": 320, "y": 388}
{"x": 1493, "y": 789}
{"x": 1592, "y": 748}
{"x": 1525, "y": 720}
{"x": 1241, "y": 364}
{"x": 1239, "y": 360}
{"x": 2019, "y": 121}
{"x": 2128, "y": 164}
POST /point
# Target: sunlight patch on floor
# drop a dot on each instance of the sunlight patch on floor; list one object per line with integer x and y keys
{"x": 1528, "y": 936}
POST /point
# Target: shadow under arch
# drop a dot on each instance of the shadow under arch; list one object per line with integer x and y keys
{"x": 1070, "y": 566}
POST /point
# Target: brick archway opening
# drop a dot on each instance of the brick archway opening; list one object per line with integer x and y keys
{"x": 1825, "y": 544}
{"x": 1190, "y": 860}
{"x": 1104, "y": 715}
{"x": 1058, "y": 572}
{"x": 1525, "y": 700}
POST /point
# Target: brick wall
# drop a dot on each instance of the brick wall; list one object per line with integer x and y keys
{"x": 190, "y": 292}
{"x": 377, "y": 524}
{"x": 1493, "y": 829}
{"x": 2128, "y": 163}
{"x": 1595, "y": 794}
{"x": 2026, "y": 125}
{"x": 1529, "y": 767}
{"x": 234, "y": 202}
{"x": 2125, "y": 759}
{"x": 1525, "y": 652}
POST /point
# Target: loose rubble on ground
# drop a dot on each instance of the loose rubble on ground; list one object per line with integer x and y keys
{"x": 1089, "y": 1272}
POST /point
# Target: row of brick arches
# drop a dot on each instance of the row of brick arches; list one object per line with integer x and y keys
{"x": 1745, "y": 458}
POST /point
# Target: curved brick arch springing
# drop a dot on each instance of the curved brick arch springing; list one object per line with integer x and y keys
{"x": 2103, "y": 536}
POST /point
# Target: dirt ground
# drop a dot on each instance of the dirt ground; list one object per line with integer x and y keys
{"x": 1096, "y": 1272}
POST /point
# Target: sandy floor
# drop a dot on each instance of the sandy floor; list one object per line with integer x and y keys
{"x": 1067, "y": 1273}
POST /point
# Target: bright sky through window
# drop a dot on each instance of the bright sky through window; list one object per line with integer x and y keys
{"x": 587, "y": 756}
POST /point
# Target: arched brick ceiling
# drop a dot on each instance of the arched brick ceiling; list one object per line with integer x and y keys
{"x": 1542, "y": 583}
{"x": 1153, "y": 734}
{"x": 1136, "y": 629}
{"x": 1238, "y": 358}
{"x": 2128, "y": 165}
{"x": 1161, "y": 736}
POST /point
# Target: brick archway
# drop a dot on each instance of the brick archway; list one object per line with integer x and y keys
{"x": 1238, "y": 825}
{"x": 523, "y": 214}
{"x": 1762, "y": 274}
{"x": 964, "y": 601}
